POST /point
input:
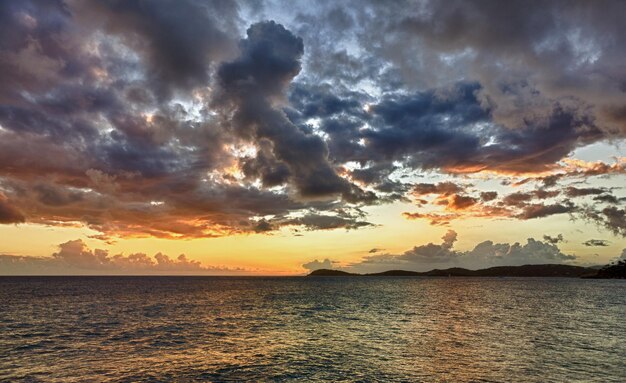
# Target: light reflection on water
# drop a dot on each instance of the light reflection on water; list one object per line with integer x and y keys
{"x": 153, "y": 329}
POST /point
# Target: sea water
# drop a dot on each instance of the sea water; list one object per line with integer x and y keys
{"x": 367, "y": 329}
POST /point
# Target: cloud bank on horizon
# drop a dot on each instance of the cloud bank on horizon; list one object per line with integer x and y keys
{"x": 192, "y": 119}
{"x": 75, "y": 257}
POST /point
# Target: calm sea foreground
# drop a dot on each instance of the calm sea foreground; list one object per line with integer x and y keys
{"x": 222, "y": 329}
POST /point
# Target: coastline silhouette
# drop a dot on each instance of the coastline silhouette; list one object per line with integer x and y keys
{"x": 612, "y": 271}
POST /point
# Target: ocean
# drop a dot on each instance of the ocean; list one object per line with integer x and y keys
{"x": 288, "y": 329}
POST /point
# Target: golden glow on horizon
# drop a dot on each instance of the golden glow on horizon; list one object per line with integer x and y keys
{"x": 283, "y": 253}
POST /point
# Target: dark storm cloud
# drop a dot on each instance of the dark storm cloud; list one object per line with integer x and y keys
{"x": 521, "y": 53}
{"x": 378, "y": 177}
{"x": 533, "y": 147}
{"x": 96, "y": 87}
{"x": 533, "y": 86}
{"x": 266, "y": 167}
{"x": 157, "y": 118}
{"x": 253, "y": 86}
{"x": 8, "y": 212}
{"x": 445, "y": 128}
{"x": 324, "y": 100}
{"x": 32, "y": 53}
{"x": 178, "y": 39}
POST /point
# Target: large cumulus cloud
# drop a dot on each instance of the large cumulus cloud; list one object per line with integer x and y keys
{"x": 184, "y": 119}
{"x": 484, "y": 254}
{"x": 109, "y": 118}
{"x": 253, "y": 87}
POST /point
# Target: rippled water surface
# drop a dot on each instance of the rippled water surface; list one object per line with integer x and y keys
{"x": 188, "y": 329}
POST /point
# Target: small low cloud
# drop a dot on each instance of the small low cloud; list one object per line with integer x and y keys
{"x": 442, "y": 188}
{"x": 553, "y": 240}
{"x": 316, "y": 265}
{"x": 596, "y": 243}
{"x": 541, "y": 210}
{"x": 488, "y": 196}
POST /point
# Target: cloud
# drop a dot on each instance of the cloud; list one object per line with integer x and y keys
{"x": 425, "y": 254}
{"x": 612, "y": 218}
{"x": 178, "y": 40}
{"x": 553, "y": 240}
{"x": 498, "y": 45}
{"x": 484, "y": 254}
{"x": 520, "y": 199}
{"x": 315, "y": 264}
{"x": 124, "y": 106}
{"x": 461, "y": 202}
{"x": 443, "y": 188}
{"x": 572, "y": 191}
{"x": 541, "y": 210}
{"x": 8, "y": 212}
{"x": 437, "y": 219}
{"x": 184, "y": 119}
{"x": 607, "y": 198}
{"x": 488, "y": 196}
{"x": 570, "y": 168}
{"x": 596, "y": 242}
{"x": 253, "y": 86}
{"x": 74, "y": 257}
{"x": 327, "y": 222}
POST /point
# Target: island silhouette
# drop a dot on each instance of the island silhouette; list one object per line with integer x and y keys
{"x": 617, "y": 270}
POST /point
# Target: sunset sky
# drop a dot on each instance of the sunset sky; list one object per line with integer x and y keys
{"x": 277, "y": 137}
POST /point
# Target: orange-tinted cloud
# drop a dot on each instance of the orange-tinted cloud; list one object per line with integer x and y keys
{"x": 8, "y": 212}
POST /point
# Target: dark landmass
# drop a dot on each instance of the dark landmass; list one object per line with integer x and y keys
{"x": 499, "y": 271}
{"x": 332, "y": 273}
{"x": 612, "y": 271}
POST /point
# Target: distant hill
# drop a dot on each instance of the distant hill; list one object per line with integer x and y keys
{"x": 548, "y": 270}
{"x": 612, "y": 271}
{"x": 331, "y": 273}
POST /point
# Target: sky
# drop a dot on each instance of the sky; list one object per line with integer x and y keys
{"x": 278, "y": 137}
